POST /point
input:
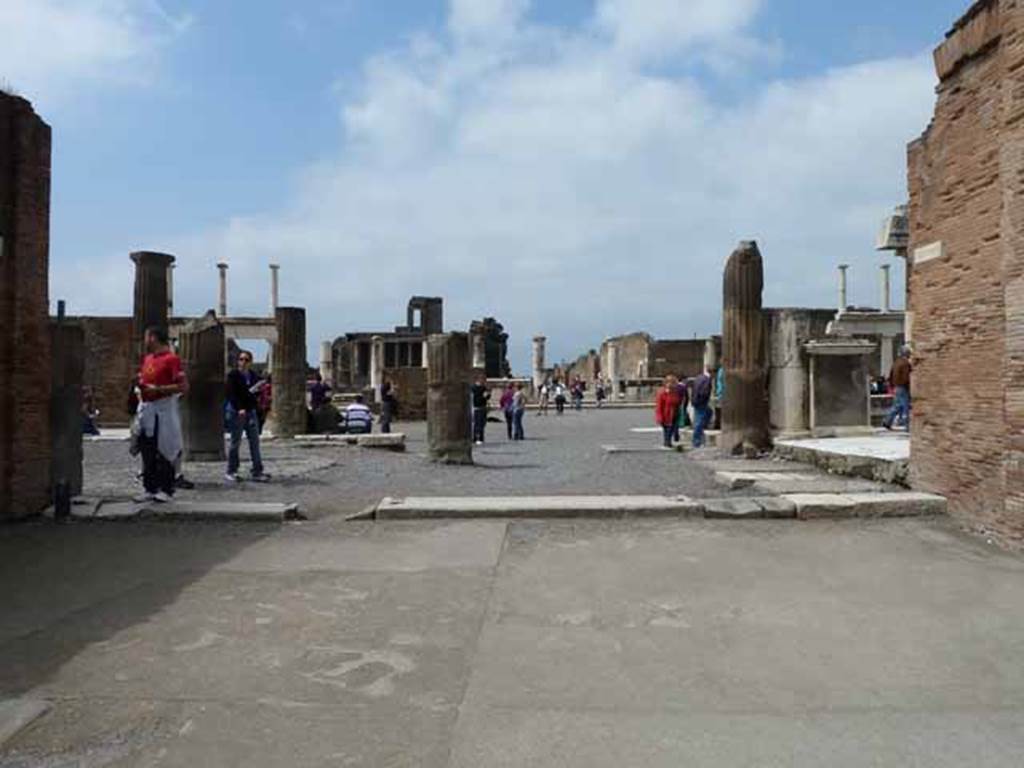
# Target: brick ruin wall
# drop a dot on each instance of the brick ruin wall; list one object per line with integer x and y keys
{"x": 682, "y": 358}
{"x": 966, "y": 290}
{"x": 109, "y": 366}
{"x": 25, "y": 447}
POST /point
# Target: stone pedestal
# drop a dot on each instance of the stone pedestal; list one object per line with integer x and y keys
{"x": 449, "y": 426}
{"x": 201, "y": 346}
{"x": 745, "y": 411}
{"x": 150, "y": 294}
{"x": 25, "y": 444}
{"x": 840, "y": 401}
{"x": 67, "y": 374}
{"x": 288, "y": 409}
{"x": 539, "y": 373}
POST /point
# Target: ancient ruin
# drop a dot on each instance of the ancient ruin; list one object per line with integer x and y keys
{"x": 289, "y": 415}
{"x": 745, "y": 413}
{"x": 449, "y": 435}
{"x": 201, "y": 346}
{"x": 25, "y": 436}
{"x": 966, "y": 287}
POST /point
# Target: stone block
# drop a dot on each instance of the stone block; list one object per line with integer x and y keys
{"x": 395, "y": 441}
{"x": 732, "y": 509}
{"x": 902, "y": 504}
{"x": 811, "y": 506}
{"x": 777, "y": 508}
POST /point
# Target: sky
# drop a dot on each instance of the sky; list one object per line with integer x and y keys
{"x": 575, "y": 168}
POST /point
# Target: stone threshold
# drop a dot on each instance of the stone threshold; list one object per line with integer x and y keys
{"x": 110, "y": 510}
{"x": 790, "y": 506}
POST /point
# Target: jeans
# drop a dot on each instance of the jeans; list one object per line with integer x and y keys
{"x": 702, "y": 418}
{"x": 668, "y": 431}
{"x": 157, "y": 472}
{"x": 900, "y": 411}
{"x": 510, "y": 424}
{"x": 479, "y": 424}
{"x": 250, "y": 425}
{"x": 517, "y": 424}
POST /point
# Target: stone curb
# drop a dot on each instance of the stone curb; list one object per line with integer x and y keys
{"x": 394, "y": 441}
{"x": 113, "y": 510}
{"x": 796, "y": 506}
{"x": 18, "y": 714}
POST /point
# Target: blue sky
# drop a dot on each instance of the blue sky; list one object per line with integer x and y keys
{"x": 575, "y": 167}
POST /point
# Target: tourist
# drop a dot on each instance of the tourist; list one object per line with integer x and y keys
{"x": 666, "y": 409}
{"x": 578, "y": 388}
{"x": 161, "y": 382}
{"x": 319, "y": 392}
{"x": 89, "y": 413}
{"x": 358, "y": 417}
{"x": 545, "y": 398}
{"x": 599, "y": 393}
{"x": 506, "y": 408}
{"x": 388, "y": 406}
{"x": 719, "y": 399}
{"x": 481, "y": 398}
{"x": 559, "y": 398}
{"x": 518, "y": 413}
{"x": 899, "y": 381}
{"x": 243, "y": 387}
{"x": 682, "y": 415}
{"x": 701, "y": 399}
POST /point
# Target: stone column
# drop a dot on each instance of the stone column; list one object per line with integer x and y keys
{"x": 376, "y": 366}
{"x": 710, "y": 355}
{"x": 613, "y": 370}
{"x": 449, "y": 430}
{"x": 289, "y": 373}
{"x": 843, "y": 302}
{"x": 539, "y": 373}
{"x": 745, "y": 411}
{"x": 150, "y": 294}
{"x": 426, "y": 354}
{"x": 201, "y": 346}
{"x": 327, "y": 361}
{"x": 788, "y": 398}
{"x": 67, "y": 374}
{"x": 886, "y": 289}
{"x": 170, "y": 291}
{"x": 222, "y": 301}
{"x": 886, "y": 354}
{"x": 274, "y": 269}
{"x": 25, "y": 445}
{"x": 479, "y": 351}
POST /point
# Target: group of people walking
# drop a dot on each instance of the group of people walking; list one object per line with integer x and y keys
{"x": 512, "y": 405}
{"x": 682, "y": 402}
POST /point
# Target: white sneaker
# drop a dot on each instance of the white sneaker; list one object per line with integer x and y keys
{"x": 231, "y": 477}
{"x": 162, "y": 497}
{"x": 143, "y": 498}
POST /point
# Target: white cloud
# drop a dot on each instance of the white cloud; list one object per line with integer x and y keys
{"x": 470, "y": 19}
{"x": 47, "y": 47}
{"x": 567, "y": 190}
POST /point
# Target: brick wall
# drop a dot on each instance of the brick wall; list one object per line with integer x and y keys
{"x": 25, "y": 448}
{"x": 966, "y": 286}
{"x": 109, "y": 365}
{"x": 679, "y": 357}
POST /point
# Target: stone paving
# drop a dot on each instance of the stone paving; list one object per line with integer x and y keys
{"x": 576, "y": 644}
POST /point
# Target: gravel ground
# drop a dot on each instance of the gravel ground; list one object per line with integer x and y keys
{"x": 561, "y": 456}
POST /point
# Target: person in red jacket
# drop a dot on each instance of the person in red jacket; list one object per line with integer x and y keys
{"x": 666, "y": 408}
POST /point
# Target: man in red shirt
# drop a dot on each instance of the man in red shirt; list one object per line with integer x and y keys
{"x": 161, "y": 382}
{"x": 666, "y": 409}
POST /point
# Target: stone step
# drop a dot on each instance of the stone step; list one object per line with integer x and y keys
{"x": 837, "y": 505}
{"x": 117, "y": 509}
{"x": 537, "y": 507}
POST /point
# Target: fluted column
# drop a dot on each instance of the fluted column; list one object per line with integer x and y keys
{"x": 449, "y": 431}
{"x": 745, "y": 426}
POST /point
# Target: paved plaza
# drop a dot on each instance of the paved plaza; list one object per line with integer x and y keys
{"x": 474, "y": 643}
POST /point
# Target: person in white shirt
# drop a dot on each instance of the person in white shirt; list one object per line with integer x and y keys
{"x": 358, "y": 417}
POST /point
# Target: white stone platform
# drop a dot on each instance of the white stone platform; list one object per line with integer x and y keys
{"x": 883, "y": 456}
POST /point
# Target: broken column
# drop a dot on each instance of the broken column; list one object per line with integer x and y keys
{"x": 150, "y": 294}
{"x": 745, "y": 411}
{"x": 449, "y": 431}
{"x": 25, "y": 445}
{"x": 479, "y": 352}
{"x": 539, "y": 372}
{"x": 201, "y": 346}
{"x": 613, "y": 370}
{"x": 222, "y": 300}
{"x": 67, "y": 369}
{"x": 377, "y": 366}
{"x": 326, "y": 361}
{"x": 274, "y": 269}
{"x": 843, "y": 300}
{"x": 289, "y": 373}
